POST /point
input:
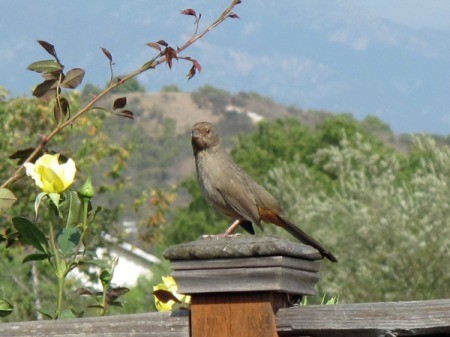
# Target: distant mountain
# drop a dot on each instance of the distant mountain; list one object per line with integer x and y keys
{"x": 314, "y": 54}
{"x": 332, "y": 55}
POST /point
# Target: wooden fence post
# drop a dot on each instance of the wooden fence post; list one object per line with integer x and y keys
{"x": 237, "y": 283}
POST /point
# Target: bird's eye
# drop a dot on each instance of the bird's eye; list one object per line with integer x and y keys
{"x": 208, "y": 131}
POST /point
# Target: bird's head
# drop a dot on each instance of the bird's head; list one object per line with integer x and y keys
{"x": 204, "y": 137}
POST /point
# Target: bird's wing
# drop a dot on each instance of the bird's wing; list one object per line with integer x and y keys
{"x": 239, "y": 197}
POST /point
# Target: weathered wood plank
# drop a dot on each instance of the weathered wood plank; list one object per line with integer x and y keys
{"x": 249, "y": 262}
{"x": 138, "y": 325}
{"x": 217, "y": 247}
{"x": 244, "y": 264}
{"x": 246, "y": 280}
{"x": 418, "y": 318}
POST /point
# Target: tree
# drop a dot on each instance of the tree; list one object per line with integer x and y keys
{"x": 170, "y": 88}
{"x": 211, "y": 97}
{"x": 383, "y": 214}
{"x": 389, "y": 231}
{"x": 21, "y": 120}
{"x": 132, "y": 85}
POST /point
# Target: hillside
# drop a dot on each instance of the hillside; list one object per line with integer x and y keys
{"x": 159, "y": 136}
{"x": 172, "y": 114}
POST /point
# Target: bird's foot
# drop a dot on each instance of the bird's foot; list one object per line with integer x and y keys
{"x": 232, "y": 228}
{"x": 228, "y": 232}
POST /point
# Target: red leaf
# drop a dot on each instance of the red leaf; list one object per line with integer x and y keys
{"x": 154, "y": 45}
{"x": 45, "y": 90}
{"x": 63, "y": 107}
{"x": 170, "y": 54}
{"x": 165, "y": 296}
{"x": 189, "y": 11}
{"x": 233, "y": 16}
{"x": 197, "y": 66}
{"x": 191, "y": 72}
{"x": 73, "y": 78}
{"x": 49, "y": 48}
{"x": 162, "y": 43}
{"x": 126, "y": 114}
{"x": 120, "y": 103}
{"x": 84, "y": 291}
{"x": 22, "y": 155}
{"x": 107, "y": 54}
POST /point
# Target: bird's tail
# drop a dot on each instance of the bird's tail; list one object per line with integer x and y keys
{"x": 305, "y": 238}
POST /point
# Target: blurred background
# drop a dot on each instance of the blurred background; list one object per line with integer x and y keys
{"x": 339, "y": 108}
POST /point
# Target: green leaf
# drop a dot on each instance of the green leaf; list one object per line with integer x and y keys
{"x": 148, "y": 65}
{"x": 35, "y": 257}
{"x": 31, "y": 233}
{"x": 55, "y": 198}
{"x": 105, "y": 276}
{"x": 72, "y": 207}
{"x": 46, "y": 313}
{"x": 38, "y": 200}
{"x": 45, "y": 66}
{"x": 73, "y": 78}
{"x": 97, "y": 263}
{"x": 68, "y": 239}
{"x": 6, "y": 307}
{"x": 68, "y": 313}
{"x": 117, "y": 304}
{"x": 7, "y": 199}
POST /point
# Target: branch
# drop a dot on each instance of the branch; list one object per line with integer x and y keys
{"x": 149, "y": 65}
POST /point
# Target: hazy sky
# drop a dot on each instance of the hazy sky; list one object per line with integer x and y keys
{"x": 330, "y": 62}
{"x": 414, "y": 13}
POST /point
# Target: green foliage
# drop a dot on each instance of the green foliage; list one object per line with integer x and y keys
{"x": 22, "y": 119}
{"x": 65, "y": 248}
{"x": 170, "y": 88}
{"x": 211, "y": 97}
{"x": 382, "y": 213}
{"x": 89, "y": 91}
{"x": 132, "y": 85}
{"x": 390, "y": 234}
{"x": 273, "y": 142}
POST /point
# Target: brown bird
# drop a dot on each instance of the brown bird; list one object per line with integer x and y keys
{"x": 234, "y": 193}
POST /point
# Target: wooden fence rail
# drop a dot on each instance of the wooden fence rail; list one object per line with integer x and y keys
{"x": 418, "y": 318}
{"x": 154, "y": 324}
{"x": 241, "y": 287}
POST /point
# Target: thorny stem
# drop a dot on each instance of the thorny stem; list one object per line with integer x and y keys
{"x": 84, "y": 228}
{"x": 58, "y": 98}
{"x": 18, "y": 172}
{"x": 104, "y": 304}
{"x": 219, "y": 20}
{"x": 58, "y": 270}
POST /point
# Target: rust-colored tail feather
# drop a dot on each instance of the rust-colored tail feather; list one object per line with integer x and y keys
{"x": 305, "y": 238}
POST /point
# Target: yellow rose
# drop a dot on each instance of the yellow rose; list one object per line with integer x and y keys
{"x": 165, "y": 291}
{"x": 51, "y": 176}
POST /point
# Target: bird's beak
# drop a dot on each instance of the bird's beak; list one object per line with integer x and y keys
{"x": 196, "y": 133}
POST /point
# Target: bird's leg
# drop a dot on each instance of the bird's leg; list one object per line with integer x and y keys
{"x": 232, "y": 228}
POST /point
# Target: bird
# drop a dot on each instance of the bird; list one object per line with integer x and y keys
{"x": 232, "y": 192}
